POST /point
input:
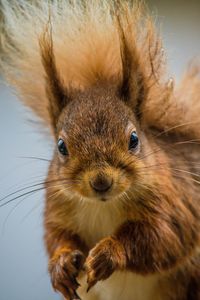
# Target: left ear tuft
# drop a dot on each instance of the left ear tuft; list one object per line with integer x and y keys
{"x": 56, "y": 92}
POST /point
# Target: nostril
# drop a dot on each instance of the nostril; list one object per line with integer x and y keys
{"x": 101, "y": 184}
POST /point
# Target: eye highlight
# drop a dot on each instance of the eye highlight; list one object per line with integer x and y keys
{"x": 134, "y": 141}
{"x": 62, "y": 147}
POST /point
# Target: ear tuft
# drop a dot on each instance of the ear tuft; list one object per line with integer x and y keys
{"x": 56, "y": 92}
{"x": 141, "y": 55}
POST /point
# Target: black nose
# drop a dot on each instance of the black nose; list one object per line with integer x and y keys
{"x": 101, "y": 184}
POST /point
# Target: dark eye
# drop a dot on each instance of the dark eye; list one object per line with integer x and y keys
{"x": 62, "y": 148}
{"x": 134, "y": 141}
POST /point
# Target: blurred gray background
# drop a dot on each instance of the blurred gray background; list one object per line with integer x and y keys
{"x": 23, "y": 263}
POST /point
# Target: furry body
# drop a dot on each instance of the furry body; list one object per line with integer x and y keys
{"x": 93, "y": 73}
{"x": 94, "y": 222}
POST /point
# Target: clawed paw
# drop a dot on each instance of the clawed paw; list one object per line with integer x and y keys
{"x": 101, "y": 262}
{"x": 64, "y": 269}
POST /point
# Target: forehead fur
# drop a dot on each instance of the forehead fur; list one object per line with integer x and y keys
{"x": 95, "y": 115}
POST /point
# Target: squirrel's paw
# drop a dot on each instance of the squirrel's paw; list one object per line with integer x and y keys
{"x": 107, "y": 256}
{"x": 63, "y": 269}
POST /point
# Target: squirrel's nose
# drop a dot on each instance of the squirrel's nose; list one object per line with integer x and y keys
{"x": 101, "y": 184}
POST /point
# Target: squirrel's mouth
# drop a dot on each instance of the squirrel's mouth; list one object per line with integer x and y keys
{"x": 103, "y": 199}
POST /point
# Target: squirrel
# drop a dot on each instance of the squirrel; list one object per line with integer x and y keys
{"x": 122, "y": 207}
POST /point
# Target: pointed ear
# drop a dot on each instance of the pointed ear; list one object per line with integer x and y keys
{"x": 132, "y": 86}
{"x": 57, "y": 94}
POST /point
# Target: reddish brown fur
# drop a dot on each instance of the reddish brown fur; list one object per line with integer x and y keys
{"x": 155, "y": 191}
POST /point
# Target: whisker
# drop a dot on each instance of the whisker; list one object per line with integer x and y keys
{"x": 34, "y": 185}
{"x": 178, "y": 175}
{"x": 186, "y": 177}
{"x": 177, "y": 126}
{"x": 171, "y": 168}
{"x": 35, "y": 158}
{"x": 11, "y": 211}
{"x": 185, "y": 171}
{"x": 170, "y": 147}
{"x": 55, "y": 194}
{"x": 18, "y": 197}
{"x": 196, "y": 165}
{"x": 188, "y": 142}
{"x": 28, "y": 214}
{"x": 151, "y": 153}
{"x": 27, "y": 193}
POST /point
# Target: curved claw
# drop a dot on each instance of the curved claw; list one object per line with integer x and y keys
{"x": 90, "y": 285}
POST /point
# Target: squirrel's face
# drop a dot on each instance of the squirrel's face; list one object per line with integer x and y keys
{"x": 99, "y": 147}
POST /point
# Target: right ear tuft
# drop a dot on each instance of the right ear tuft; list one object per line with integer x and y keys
{"x": 141, "y": 56}
{"x": 133, "y": 82}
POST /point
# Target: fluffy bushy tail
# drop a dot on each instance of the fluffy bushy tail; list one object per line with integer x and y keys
{"x": 180, "y": 112}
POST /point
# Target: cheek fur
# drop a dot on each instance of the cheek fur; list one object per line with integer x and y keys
{"x": 125, "y": 176}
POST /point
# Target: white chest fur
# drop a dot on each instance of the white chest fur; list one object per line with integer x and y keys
{"x": 123, "y": 286}
{"x": 95, "y": 221}
{"x": 128, "y": 286}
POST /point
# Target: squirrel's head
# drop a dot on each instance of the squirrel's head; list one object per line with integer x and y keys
{"x": 99, "y": 145}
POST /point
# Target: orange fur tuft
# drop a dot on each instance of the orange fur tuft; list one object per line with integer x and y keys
{"x": 86, "y": 40}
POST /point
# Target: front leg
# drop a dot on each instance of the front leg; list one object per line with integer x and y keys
{"x": 105, "y": 258}
{"x": 66, "y": 259}
{"x": 158, "y": 245}
{"x": 142, "y": 247}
